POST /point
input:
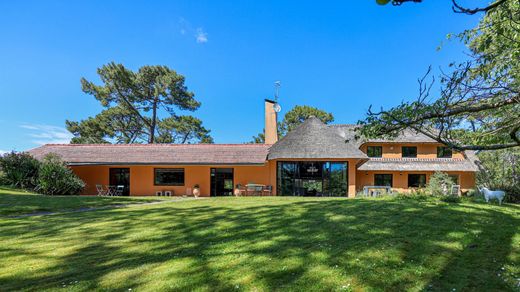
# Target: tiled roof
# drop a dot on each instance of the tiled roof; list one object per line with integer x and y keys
{"x": 84, "y": 154}
{"x": 418, "y": 164}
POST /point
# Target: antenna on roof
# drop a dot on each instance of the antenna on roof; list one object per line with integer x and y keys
{"x": 277, "y": 85}
{"x": 276, "y": 106}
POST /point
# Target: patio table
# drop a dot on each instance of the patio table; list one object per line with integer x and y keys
{"x": 254, "y": 189}
{"x": 366, "y": 190}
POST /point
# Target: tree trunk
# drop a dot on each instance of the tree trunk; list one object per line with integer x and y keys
{"x": 154, "y": 122}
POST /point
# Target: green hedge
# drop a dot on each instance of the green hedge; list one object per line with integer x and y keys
{"x": 51, "y": 176}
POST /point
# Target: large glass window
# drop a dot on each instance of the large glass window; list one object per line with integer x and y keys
{"x": 374, "y": 151}
{"x": 383, "y": 180}
{"x": 337, "y": 179}
{"x": 444, "y": 152}
{"x": 309, "y": 178}
{"x": 416, "y": 180}
{"x": 286, "y": 174}
{"x": 409, "y": 151}
{"x": 169, "y": 177}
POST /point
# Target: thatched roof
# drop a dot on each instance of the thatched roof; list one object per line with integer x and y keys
{"x": 313, "y": 139}
{"x": 416, "y": 164}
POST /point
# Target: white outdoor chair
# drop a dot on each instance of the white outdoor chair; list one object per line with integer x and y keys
{"x": 100, "y": 190}
{"x": 119, "y": 190}
{"x": 455, "y": 190}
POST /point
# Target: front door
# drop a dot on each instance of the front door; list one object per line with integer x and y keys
{"x": 121, "y": 177}
{"x": 221, "y": 181}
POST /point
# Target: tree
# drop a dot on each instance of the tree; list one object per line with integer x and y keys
{"x": 479, "y": 99}
{"x": 133, "y": 103}
{"x": 115, "y": 123}
{"x": 182, "y": 130}
{"x": 295, "y": 117}
{"x": 455, "y": 6}
{"x": 504, "y": 175}
{"x": 299, "y": 114}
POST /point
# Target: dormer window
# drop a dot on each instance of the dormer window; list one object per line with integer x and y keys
{"x": 409, "y": 152}
{"x": 375, "y": 151}
{"x": 444, "y": 152}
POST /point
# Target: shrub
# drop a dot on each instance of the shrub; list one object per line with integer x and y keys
{"x": 19, "y": 170}
{"x": 418, "y": 195}
{"x": 56, "y": 179}
{"x": 512, "y": 194}
{"x": 450, "y": 199}
{"x": 440, "y": 184}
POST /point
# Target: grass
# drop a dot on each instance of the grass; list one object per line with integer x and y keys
{"x": 267, "y": 243}
{"x": 17, "y": 202}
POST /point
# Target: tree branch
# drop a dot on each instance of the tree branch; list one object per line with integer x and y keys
{"x": 457, "y": 8}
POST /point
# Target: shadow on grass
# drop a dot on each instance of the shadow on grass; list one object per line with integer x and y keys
{"x": 267, "y": 244}
{"x": 16, "y": 203}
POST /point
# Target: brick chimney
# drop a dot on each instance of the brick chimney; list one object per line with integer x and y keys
{"x": 271, "y": 129}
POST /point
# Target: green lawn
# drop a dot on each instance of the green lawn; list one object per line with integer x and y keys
{"x": 15, "y": 202}
{"x": 269, "y": 243}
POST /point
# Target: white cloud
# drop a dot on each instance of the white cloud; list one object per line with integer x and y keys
{"x": 201, "y": 36}
{"x": 186, "y": 28}
{"x": 2, "y": 152}
{"x": 47, "y": 134}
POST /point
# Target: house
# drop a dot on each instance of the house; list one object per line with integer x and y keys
{"x": 313, "y": 159}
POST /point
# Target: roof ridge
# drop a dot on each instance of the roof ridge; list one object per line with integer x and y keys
{"x": 414, "y": 159}
{"x": 342, "y": 125}
{"x": 161, "y": 145}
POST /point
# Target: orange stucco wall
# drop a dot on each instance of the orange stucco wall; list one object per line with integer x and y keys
{"x": 142, "y": 177}
{"x": 424, "y": 150}
{"x": 400, "y": 179}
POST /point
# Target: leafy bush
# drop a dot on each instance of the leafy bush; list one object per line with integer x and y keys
{"x": 450, "y": 199}
{"x": 418, "y": 195}
{"x": 501, "y": 176}
{"x": 19, "y": 170}
{"x": 440, "y": 184}
{"x": 56, "y": 179}
{"x": 512, "y": 194}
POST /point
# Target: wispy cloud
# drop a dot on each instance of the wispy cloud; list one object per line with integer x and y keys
{"x": 201, "y": 36}
{"x": 47, "y": 134}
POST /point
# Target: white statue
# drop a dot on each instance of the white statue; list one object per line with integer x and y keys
{"x": 488, "y": 195}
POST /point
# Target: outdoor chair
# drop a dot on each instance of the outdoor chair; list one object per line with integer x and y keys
{"x": 100, "y": 190}
{"x": 267, "y": 191}
{"x": 119, "y": 190}
{"x": 111, "y": 190}
{"x": 455, "y": 190}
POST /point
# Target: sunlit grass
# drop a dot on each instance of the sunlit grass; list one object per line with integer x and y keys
{"x": 18, "y": 202}
{"x": 266, "y": 244}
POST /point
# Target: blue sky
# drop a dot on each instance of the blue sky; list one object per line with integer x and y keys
{"x": 340, "y": 56}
